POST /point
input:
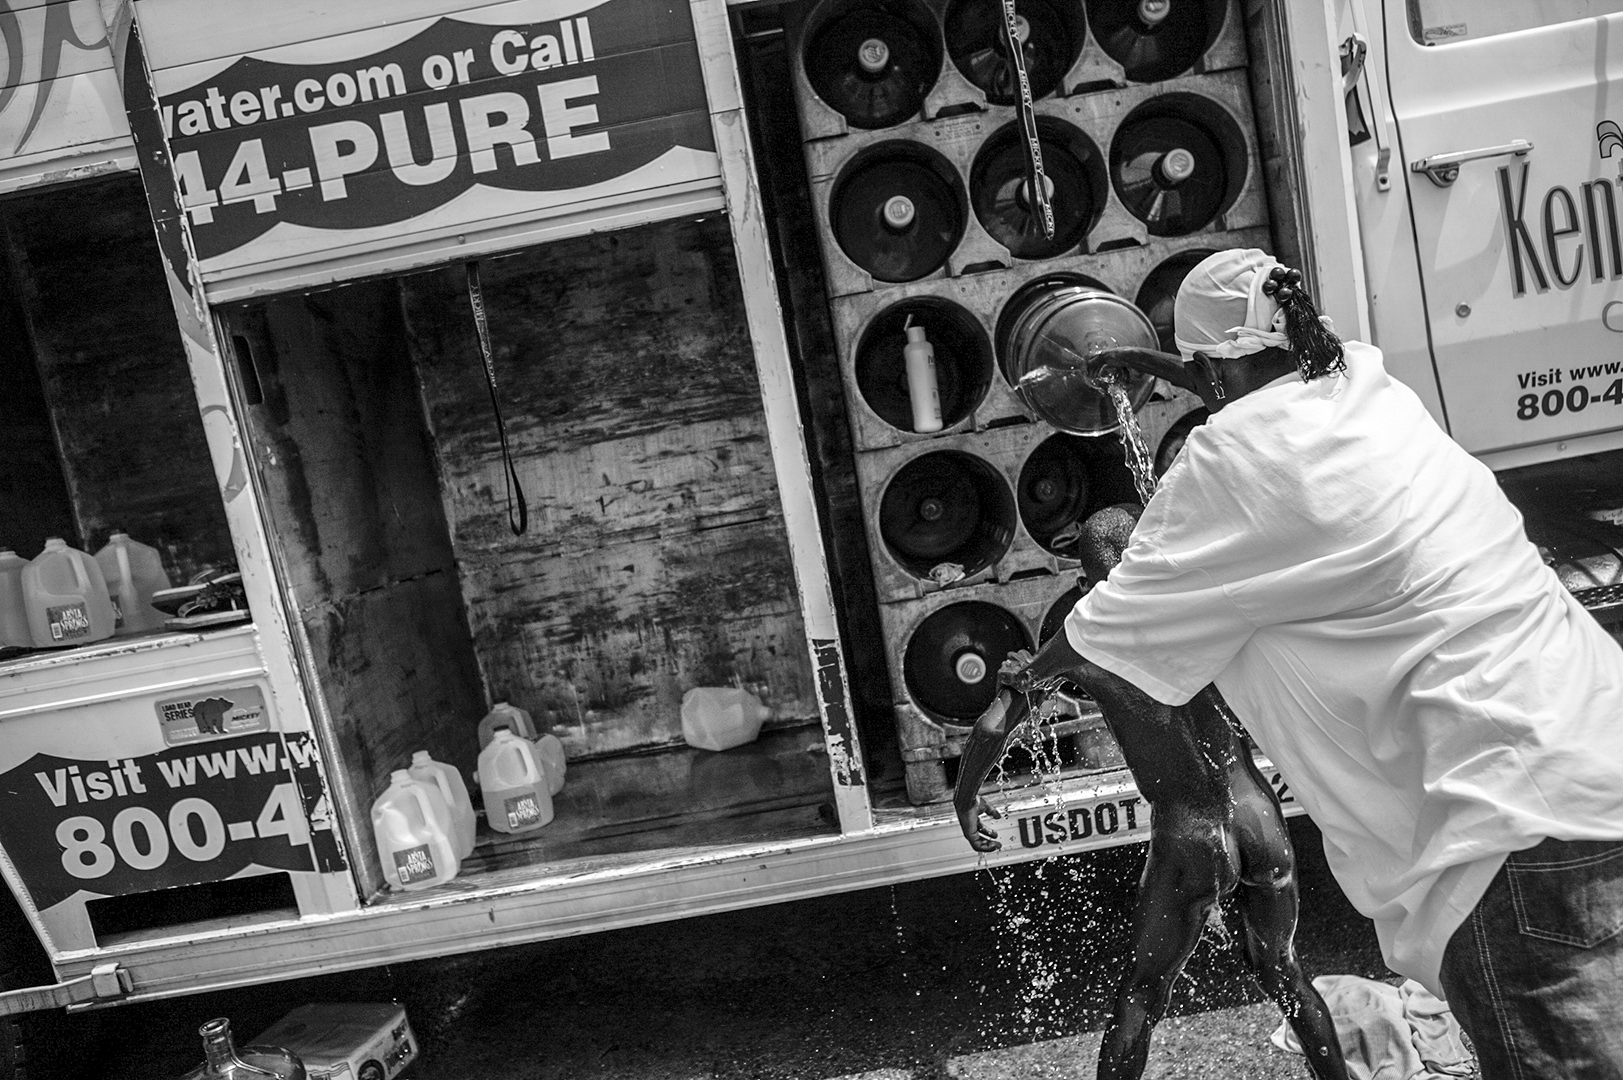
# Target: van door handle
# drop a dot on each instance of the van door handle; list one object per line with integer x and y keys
{"x": 1444, "y": 169}
{"x": 1357, "y": 47}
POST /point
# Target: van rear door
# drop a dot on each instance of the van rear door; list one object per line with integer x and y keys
{"x": 1509, "y": 121}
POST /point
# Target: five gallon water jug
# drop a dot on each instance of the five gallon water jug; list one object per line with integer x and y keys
{"x": 515, "y": 789}
{"x": 721, "y": 717}
{"x": 464, "y": 827}
{"x": 508, "y": 716}
{"x": 134, "y": 572}
{"x": 66, "y": 598}
{"x": 551, "y": 752}
{"x": 412, "y": 823}
{"x": 14, "y": 632}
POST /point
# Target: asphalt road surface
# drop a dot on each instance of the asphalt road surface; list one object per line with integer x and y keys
{"x": 989, "y": 975}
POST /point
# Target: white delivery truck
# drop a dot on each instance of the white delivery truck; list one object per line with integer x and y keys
{"x": 555, "y": 352}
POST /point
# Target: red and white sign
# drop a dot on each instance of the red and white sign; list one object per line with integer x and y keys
{"x": 344, "y": 138}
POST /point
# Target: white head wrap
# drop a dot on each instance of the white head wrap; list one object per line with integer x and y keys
{"x": 1221, "y": 309}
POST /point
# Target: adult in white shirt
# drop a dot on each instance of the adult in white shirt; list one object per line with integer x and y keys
{"x": 1366, "y": 598}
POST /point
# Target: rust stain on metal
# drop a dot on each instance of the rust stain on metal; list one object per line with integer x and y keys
{"x": 78, "y": 172}
{"x": 837, "y": 720}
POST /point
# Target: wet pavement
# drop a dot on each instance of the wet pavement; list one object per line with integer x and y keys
{"x": 917, "y": 982}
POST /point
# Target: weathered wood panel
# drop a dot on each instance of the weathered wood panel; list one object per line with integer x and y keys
{"x": 113, "y": 370}
{"x": 655, "y": 559}
{"x": 350, "y": 488}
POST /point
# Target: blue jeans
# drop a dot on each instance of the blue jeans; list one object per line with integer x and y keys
{"x": 1535, "y": 975}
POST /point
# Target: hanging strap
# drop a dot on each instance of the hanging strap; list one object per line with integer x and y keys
{"x": 1028, "y": 124}
{"x": 515, "y": 493}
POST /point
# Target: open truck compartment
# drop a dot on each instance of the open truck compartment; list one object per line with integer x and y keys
{"x": 102, "y": 432}
{"x": 654, "y": 558}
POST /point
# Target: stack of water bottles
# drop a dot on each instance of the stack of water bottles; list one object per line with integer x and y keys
{"x": 64, "y": 597}
{"x": 424, "y": 821}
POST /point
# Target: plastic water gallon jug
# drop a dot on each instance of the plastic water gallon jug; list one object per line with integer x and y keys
{"x": 508, "y": 716}
{"x": 412, "y": 823}
{"x": 134, "y": 572}
{"x": 66, "y": 598}
{"x": 514, "y": 787}
{"x": 551, "y": 752}
{"x": 455, "y": 790}
{"x": 14, "y": 632}
{"x": 721, "y": 717}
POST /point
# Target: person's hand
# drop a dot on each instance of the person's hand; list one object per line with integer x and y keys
{"x": 1111, "y": 364}
{"x": 1013, "y": 668}
{"x": 1027, "y": 674}
{"x": 981, "y": 837}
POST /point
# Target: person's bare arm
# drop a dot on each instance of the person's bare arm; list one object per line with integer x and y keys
{"x": 983, "y": 750}
{"x": 1056, "y": 664}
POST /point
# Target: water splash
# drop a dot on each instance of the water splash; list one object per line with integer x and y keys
{"x": 1048, "y": 929}
{"x": 1132, "y": 437}
{"x": 1031, "y": 902}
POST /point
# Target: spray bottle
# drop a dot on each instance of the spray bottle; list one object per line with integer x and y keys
{"x": 919, "y": 357}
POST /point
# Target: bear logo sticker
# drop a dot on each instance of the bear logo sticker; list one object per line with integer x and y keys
{"x": 213, "y": 714}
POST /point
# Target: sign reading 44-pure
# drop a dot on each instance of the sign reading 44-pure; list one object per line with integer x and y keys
{"x": 342, "y": 134}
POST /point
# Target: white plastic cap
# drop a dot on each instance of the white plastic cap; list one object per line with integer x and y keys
{"x": 915, "y": 333}
{"x": 119, "y": 536}
{"x": 1048, "y": 188}
{"x": 55, "y": 543}
{"x": 1178, "y": 164}
{"x": 873, "y": 54}
{"x": 1154, "y": 12}
{"x": 503, "y": 731}
{"x": 400, "y": 776}
{"x": 420, "y": 757}
{"x": 970, "y": 667}
{"x": 899, "y": 211}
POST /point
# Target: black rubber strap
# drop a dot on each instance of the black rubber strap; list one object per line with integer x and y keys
{"x": 515, "y": 493}
{"x": 1028, "y": 125}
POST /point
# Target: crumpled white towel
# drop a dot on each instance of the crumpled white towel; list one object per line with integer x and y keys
{"x": 1389, "y": 1032}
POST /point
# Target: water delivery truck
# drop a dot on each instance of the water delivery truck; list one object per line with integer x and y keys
{"x": 570, "y": 354}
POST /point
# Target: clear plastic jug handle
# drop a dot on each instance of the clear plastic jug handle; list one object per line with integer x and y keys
{"x": 444, "y": 785}
{"x": 423, "y": 804}
{"x": 79, "y": 574}
{"x": 399, "y": 823}
{"x": 528, "y": 773}
{"x": 125, "y": 578}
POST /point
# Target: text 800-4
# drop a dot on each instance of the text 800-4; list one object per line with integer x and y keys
{"x": 195, "y": 829}
{"x": 1573, "y": 399}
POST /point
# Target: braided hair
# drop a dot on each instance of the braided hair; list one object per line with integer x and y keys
{"x": 1315, "y": 346}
